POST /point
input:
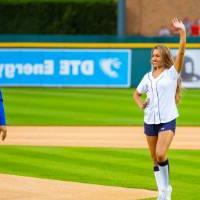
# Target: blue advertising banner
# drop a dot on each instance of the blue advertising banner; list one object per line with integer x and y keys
{"x": 65, "y": 67}
{"x": 190, "y": 73}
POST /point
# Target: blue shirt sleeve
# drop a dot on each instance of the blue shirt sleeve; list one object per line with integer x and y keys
{"x": 1, "y": 98}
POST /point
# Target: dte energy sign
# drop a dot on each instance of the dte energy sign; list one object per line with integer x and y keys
{"x": 61, "y": 67}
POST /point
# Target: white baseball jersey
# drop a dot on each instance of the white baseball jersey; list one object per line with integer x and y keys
{"x": 161, "y": 94}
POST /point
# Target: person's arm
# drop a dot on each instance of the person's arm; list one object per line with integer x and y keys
{"x": 179, "y": 26}
{"x": 137, "y": 97}
{"x": 3, "y": 132}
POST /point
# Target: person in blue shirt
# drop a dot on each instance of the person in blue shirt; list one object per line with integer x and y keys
{"x": 3, "y": 129}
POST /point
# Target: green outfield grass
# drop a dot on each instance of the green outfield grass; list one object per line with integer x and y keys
{"x": 65, "y": 106}
{"x": 107, "y": 166}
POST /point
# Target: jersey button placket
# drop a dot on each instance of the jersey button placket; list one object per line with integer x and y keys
{"x": 155, "y": 103}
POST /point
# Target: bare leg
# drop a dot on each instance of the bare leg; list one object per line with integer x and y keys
{"x": 164, "y": 140}
{"x": 152, "y": 141}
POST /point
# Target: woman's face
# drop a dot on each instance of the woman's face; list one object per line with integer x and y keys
{"x": 156, "y": 58}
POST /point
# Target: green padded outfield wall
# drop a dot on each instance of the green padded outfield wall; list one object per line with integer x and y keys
{"x": 140, "y": 64}
{"x": 140, "y": 46}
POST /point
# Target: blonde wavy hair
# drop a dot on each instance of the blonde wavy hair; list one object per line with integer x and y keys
{"x": 168, "y": 61}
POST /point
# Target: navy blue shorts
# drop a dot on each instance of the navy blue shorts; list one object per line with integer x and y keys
{"x": 2, "y": 114}
{"x": 154, "y": 129}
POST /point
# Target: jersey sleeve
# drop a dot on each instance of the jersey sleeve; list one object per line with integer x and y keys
{"x": 142, "y": 87}
{"x": 172, "y": 72}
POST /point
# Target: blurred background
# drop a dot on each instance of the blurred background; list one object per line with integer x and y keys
{"x": 77, "y": 62}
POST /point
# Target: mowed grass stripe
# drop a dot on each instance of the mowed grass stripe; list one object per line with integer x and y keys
{"x": 76, "y": 106}
{"x": 69, "y": 163}
{"x": 107, "y": 166}
{"x": 69, "y": 109}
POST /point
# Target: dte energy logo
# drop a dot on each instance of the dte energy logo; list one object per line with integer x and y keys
{"x": 108, "y": 66}
{"x": 10, "y": 70}
{"x": 65, "y": 67}
{"x": 77, "y": 67}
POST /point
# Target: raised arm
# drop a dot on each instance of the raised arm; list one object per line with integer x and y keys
{"x": 179, "y": 26}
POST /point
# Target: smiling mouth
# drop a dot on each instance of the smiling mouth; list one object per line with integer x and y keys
{"x": 154, "y": 63}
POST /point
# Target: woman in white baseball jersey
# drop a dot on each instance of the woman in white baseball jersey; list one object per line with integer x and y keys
{"x": 162, "y": 88}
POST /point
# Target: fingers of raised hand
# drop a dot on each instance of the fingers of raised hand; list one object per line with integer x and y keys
{"x": 175, "y": 20}
{"x": 177, "y": 24}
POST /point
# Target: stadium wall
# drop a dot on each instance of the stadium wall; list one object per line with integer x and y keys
{"x": 144, "y": 17}
{"x": 139, "y": 47}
